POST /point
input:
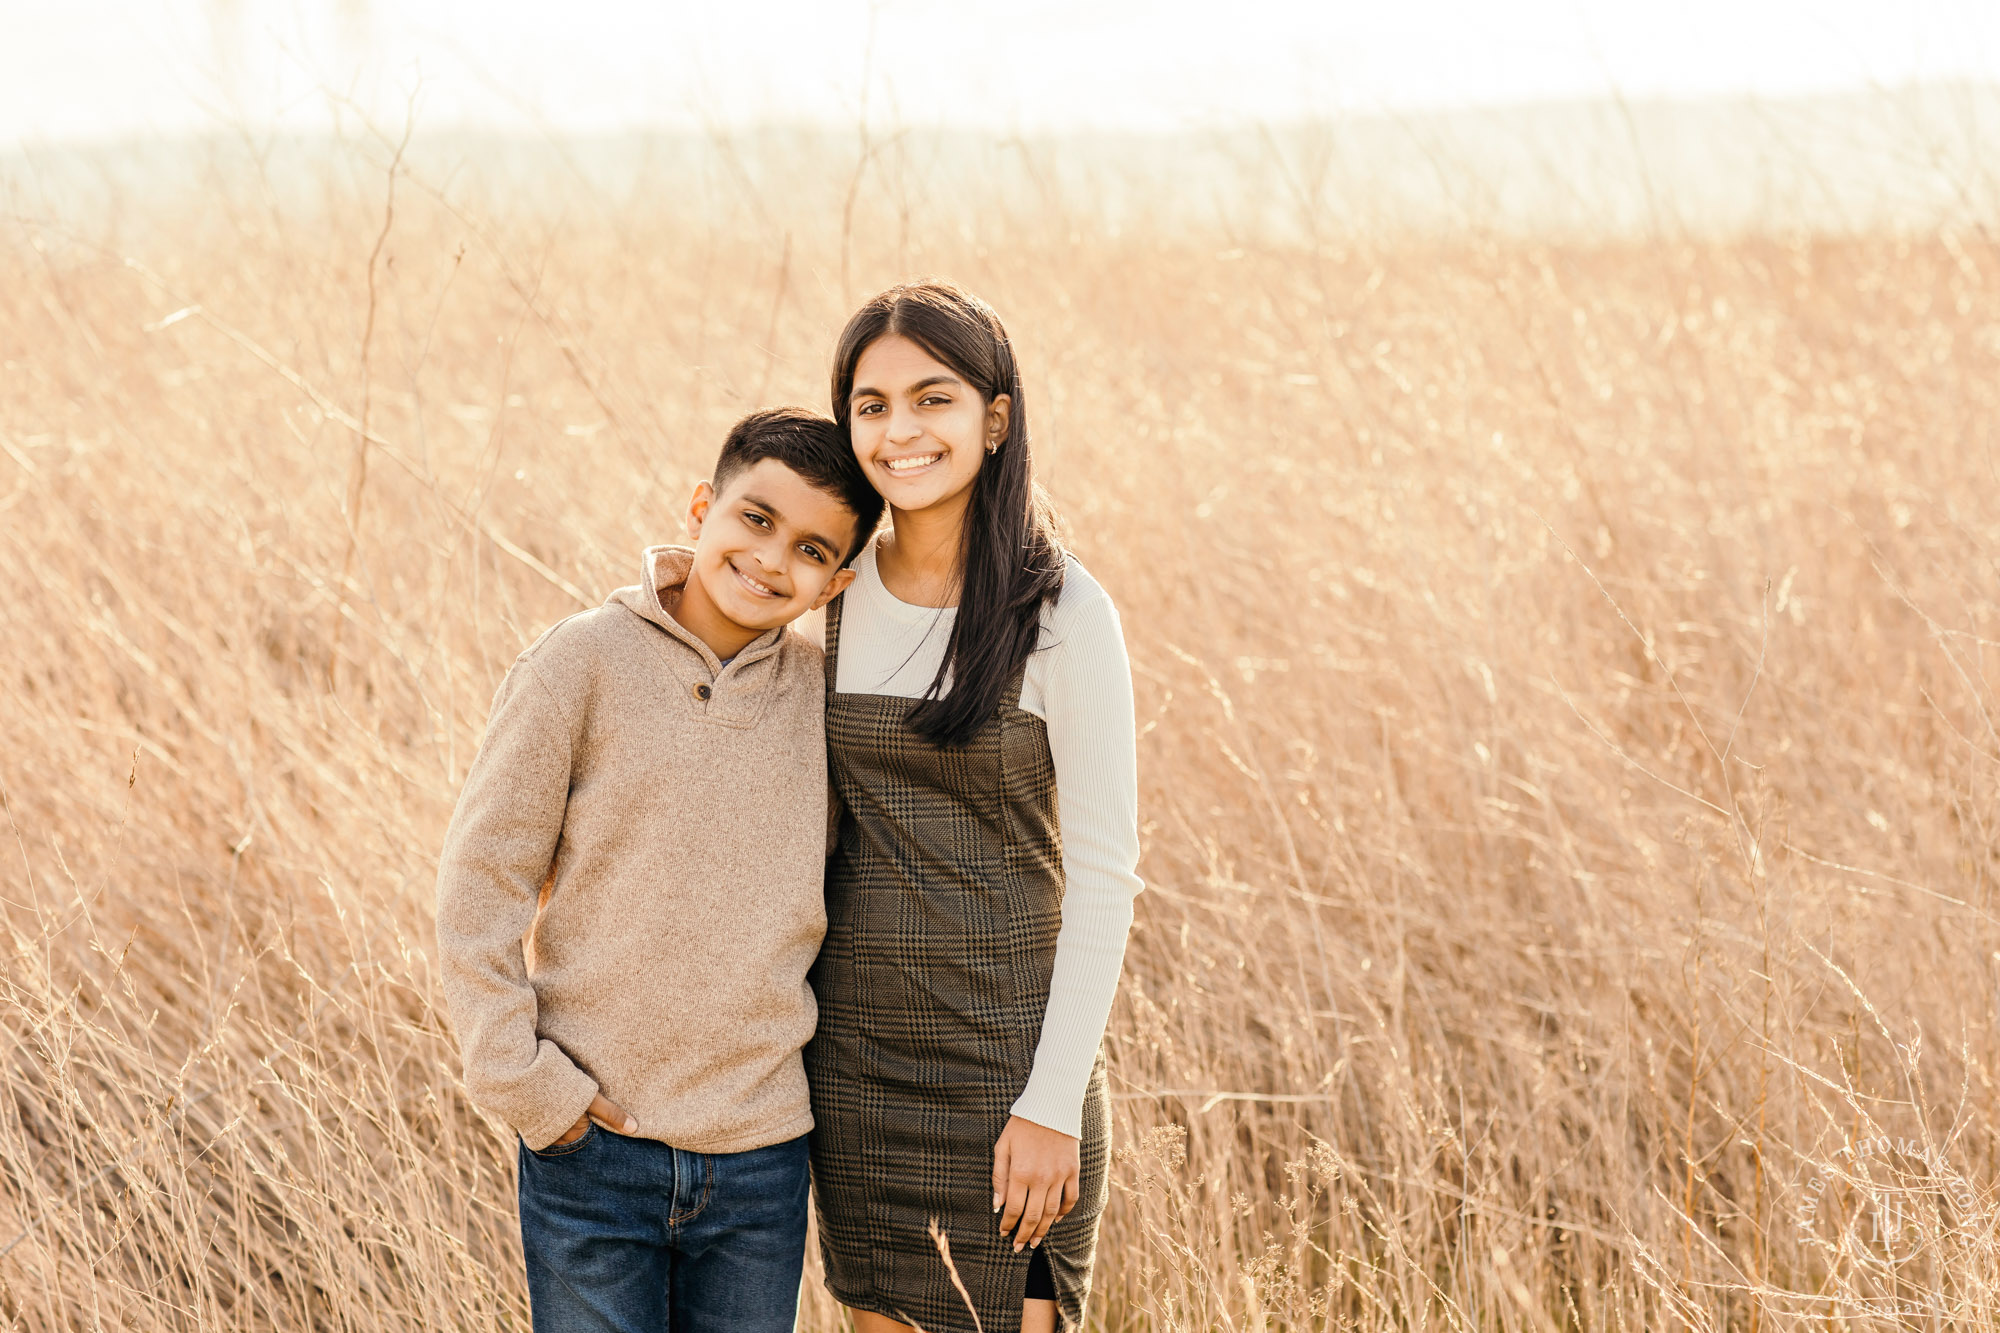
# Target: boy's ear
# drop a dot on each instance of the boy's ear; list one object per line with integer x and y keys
{"x": 834, "y": 587}
{"x": 698, "y": 506}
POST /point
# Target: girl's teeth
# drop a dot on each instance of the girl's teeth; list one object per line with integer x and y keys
{"x": 904, "y": 464}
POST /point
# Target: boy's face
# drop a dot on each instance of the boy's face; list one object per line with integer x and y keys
{"x": 768, "y": 548}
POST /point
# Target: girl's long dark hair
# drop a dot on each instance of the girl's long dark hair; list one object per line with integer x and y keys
{"x": 1010, "y": 553}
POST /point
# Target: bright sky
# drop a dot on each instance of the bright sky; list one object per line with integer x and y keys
{"x": 95, "y": 69}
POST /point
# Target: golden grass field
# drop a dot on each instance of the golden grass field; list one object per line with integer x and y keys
{"x": 1568, "y": 677}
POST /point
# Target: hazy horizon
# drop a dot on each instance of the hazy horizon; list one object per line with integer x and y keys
{"x": 1912, "y": 156}
{"x": 101, "y": 71}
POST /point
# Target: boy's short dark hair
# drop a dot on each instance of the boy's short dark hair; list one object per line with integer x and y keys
{"x": 813, "y": 446}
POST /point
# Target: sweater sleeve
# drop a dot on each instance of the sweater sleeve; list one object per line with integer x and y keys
{"x": 1087, "y": 703}
{"x": 497, "y": 853}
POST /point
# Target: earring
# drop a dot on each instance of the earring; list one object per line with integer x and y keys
{"x": 993, "y": 444}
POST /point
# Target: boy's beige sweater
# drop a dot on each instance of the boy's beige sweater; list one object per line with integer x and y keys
{"x": 682, "y": 809}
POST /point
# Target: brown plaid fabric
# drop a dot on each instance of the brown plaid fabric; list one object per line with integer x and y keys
{"x": 942, "y": 902}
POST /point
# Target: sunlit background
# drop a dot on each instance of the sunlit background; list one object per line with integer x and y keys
{"x": 95, "y": 69}
{"x": 1546, "y": 457}
{"x": 1542, "y": 115}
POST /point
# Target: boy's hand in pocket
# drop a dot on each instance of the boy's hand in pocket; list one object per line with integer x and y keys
{"x": 606, "y": 1113}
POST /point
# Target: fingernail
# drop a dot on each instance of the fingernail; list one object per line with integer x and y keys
{"x": 1035, "y": 1242}
{"x": 631, "y": 1125}
{"x": 1017, "y": 1247}
{"x": 996, "y": 1203}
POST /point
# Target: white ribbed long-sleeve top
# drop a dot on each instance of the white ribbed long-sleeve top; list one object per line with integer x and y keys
{"x": 1079, "y": 682}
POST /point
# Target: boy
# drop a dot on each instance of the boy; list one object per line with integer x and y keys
{"x": 658, "y": 766}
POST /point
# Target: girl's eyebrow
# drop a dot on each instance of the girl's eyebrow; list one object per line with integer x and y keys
{"x": 929, "y": 381}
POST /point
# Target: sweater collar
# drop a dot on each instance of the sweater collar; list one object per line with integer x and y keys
{"x": 663, "y": 573}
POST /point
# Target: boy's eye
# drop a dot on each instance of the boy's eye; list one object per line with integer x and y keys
{"x": 812, "y": 552}
{"x": 755, "y": 519}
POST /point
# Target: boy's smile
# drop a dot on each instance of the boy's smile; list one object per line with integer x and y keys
{"x": 767, "y": 550}
{"x": 756, "y": 588}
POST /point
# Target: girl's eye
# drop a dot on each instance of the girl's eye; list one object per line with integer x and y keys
{"x": 934, "y": 400}
{"x": 868, "y": 409}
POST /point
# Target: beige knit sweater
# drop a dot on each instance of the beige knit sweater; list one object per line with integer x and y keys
{"x": 682, "y": 808}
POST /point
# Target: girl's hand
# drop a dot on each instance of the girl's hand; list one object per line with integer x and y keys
{"x": 1036, "y": 1179}
{"x": 606, "y": 1113}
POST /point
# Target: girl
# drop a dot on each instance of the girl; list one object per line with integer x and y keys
{"x": 980, "y": 735}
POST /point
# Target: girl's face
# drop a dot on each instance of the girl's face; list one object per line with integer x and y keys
{"x": 919, "y": 429}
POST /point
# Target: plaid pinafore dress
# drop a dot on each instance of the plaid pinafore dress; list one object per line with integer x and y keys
{"x": 942, "y": 903}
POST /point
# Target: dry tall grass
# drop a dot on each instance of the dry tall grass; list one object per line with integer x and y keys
{"x": 1569, "y": 756}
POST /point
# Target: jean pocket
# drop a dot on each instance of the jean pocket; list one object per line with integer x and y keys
{"x": 565, "y": 1149}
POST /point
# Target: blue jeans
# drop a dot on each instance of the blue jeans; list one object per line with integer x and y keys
{"x": 628, "y": 1235}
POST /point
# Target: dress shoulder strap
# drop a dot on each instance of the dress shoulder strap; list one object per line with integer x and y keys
{"x": 833, "y": 643}
{"x": 1012, "y": 697}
